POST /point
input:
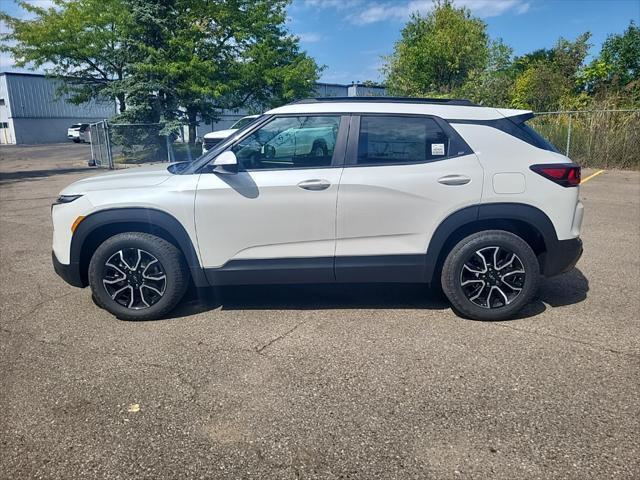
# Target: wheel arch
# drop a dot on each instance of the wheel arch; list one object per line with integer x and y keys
{"x": 528, "y": 222}
{"x": 99, "y": 226}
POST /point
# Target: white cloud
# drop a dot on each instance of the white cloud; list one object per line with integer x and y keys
{"x": 42, "y": 3}
{"x": 364, "y": 14}
{"x": 335, "y": 4}
{"x": 309, "y": 37}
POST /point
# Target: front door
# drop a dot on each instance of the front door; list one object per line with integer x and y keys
{"x": 275, "y": 220}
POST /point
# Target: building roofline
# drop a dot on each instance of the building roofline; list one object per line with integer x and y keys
{"x": 27, "y": 74}
{"x": 357, "y": 84}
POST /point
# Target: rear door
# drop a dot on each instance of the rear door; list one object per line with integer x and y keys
{"x": 403, "y": 175}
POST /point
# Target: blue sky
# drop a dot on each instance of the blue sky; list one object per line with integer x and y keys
{"x": 350, "y": 36}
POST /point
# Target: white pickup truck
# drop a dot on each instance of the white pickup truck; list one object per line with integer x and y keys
{"x": 211, "y": 139}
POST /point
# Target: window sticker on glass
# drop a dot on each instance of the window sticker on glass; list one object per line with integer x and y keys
{"x": 437, "y": 149}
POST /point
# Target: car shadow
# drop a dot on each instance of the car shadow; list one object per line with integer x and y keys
{"x": 310, "y": 297}
{"x": 566, "y": 289}
{"x": 563, "y": 290}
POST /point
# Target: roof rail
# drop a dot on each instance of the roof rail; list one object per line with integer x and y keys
{"x": 436, "y": 101}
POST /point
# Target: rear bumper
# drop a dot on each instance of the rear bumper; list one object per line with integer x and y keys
{"x": 562, "y": 257}
{"x": 69, "y": 273}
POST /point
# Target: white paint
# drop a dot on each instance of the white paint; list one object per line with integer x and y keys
{"x": 505, "y": 183}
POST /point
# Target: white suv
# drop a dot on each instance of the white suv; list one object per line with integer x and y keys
{"x": 334, "y": 190}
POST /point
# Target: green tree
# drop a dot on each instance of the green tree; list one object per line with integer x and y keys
{"x": 492, "y": 84}
{"x": 166, "y": 61}
{"x": 437, "y": 52}
{"x": 617, "y": 66}
{"x": 83, "y": 42}
{"x": 548, "y": 79}
{"x": 198, "y": 57}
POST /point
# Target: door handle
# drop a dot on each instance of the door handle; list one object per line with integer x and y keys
{"x": 315, "y": 184}
{"x": 454, "y": 180}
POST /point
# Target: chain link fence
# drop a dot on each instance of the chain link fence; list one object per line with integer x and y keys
{"x": 115, "y": 145}
{"x": 594, "y": 138}
{"x": 99, "y": 138}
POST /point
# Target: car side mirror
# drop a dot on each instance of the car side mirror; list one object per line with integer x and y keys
{"x": 226, "y": 162}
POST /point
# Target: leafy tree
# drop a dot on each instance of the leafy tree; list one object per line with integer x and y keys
{"x": 548, "y": 79}
{"x": 492, "y": 84}
{"x": 437, "y": 52}
{"x": 540, "y": 87}
{"x": 618, "y": 63}
{"x": 198, "y": 57}
{"x": 168, "y": 60}
{"x": 82, "y": 41}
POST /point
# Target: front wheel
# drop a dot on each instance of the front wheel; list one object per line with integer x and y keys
{"x": 490, "y": 275}
{"x": 137, "y": 276}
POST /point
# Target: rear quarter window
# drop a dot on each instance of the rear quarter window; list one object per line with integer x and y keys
{"x": 516, "y": 127}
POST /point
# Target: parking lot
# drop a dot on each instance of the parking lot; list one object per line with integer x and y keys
{"x": 349, "y": 382}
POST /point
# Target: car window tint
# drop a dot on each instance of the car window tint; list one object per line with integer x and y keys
{"x": 289, "y": 142}
{"x": 385, "y": 140}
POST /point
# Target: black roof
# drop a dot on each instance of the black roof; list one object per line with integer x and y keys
{"x": 435, "y": 101}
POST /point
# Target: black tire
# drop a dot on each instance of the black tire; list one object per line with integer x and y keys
{"x": 319, "y": 150}
{"x": 169, "y": 263}
{"x": 508, "y": 296}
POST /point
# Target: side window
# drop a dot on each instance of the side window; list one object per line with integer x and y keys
{"x": 385, "y": 140}
{"x": 289, "y": 142}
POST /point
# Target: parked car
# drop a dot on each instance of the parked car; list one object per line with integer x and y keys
{"x": 78, "y": 132}
{"x": 443, "y": 192}
{"x": 211, "y": 139}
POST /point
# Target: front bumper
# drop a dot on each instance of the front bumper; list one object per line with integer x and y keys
{"x": 69, "y": 273}
{"x": 562, "y": 257}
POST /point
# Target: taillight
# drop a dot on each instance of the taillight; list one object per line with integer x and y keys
{"x": 564, "y": 174}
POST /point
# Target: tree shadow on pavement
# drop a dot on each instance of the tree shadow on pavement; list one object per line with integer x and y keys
{"x": 566, "y": 289}
{"x": 22, "y": 175}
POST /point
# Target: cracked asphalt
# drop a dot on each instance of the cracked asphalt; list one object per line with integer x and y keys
{"x": 342, "y": 382}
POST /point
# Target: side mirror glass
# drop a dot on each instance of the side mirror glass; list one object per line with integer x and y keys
{"x": 226, "y": 162}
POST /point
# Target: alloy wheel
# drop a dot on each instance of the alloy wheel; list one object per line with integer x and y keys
{"x": 134, "y": 278}
{"x": 492, "y": 277}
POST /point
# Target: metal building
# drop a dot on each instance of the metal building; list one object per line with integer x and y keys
{"x": 31, "y": 111}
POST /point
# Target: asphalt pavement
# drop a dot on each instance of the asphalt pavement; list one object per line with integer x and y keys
{"x": 326, "y": 382}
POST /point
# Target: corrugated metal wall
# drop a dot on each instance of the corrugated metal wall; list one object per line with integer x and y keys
{"x": 357, "y": 90}
{"x": 331, "y": 90}
{"x": 33, "y": 96}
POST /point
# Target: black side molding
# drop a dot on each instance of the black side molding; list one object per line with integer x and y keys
{"x": 155, "y": 221}
{"x": 528, "y": 214}
{"x": 273, "y": 271}
{"x": 562, "y": 258}
{"x": 69, "y": 273}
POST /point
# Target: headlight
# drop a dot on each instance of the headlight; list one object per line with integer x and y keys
{"x": 66, "y": 199}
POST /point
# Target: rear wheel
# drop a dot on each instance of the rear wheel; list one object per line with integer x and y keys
{"x": 318, "y": 150}
{"x": 490, "y": 275}
{"x": 137, "y": 276}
